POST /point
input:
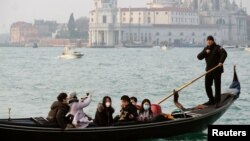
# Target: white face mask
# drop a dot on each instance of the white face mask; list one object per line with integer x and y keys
{"x": 146, "y": 107}
{"x": 107, "y": 104}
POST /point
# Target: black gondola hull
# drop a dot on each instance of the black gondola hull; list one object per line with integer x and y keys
{"x": 164, "y": 129}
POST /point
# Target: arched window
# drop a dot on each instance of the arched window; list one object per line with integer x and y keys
{"x": 220, "y": 22}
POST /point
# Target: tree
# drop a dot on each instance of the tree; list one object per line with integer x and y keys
{"x": 72, "y": 27}
{"x": 82, "y": 25}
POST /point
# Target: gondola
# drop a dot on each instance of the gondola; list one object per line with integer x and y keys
{"x": 190, "y": 120}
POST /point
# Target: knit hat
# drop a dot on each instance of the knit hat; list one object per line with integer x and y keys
{"x": 211, "y": 38}
{"x": 72, "y": 95}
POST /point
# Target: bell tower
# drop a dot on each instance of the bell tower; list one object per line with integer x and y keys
{"x": 105, "y": 4}
{"x": 102, "y": 21}
{"x": 162, "y": 3}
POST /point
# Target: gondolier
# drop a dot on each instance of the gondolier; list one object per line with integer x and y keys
{"x": 214, "y": 55}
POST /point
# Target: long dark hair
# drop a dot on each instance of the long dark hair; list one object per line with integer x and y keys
{"x": 104, "y": 101}
{"x": 142, "y": 109}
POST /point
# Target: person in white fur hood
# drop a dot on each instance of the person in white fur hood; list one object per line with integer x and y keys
{"x": 80, "y": 120}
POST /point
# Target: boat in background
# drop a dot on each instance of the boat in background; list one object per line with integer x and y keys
{"x": 35, "y": 45}
{"x": 247, "y": 48}
{"x": 137, "y": 44}
{"x": 69, "y": 53}
{"x": 164, "y": 48}
{"x": 229, "y": 46}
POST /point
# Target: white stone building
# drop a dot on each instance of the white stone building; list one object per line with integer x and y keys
{"x": 176, "y": 22}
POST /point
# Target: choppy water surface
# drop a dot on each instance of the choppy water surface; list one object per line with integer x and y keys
{"x": 32, "y": 78}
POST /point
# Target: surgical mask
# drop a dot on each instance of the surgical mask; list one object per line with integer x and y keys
{"x": 107, "y": 104}
{"x": 146, "y": 107}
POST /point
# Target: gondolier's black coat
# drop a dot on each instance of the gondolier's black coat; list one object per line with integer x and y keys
{"x": 216, "y": 56}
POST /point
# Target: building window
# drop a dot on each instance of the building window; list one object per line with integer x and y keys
{"x": 135, "y": 37}
{"x": 157, "y": 13}
{"x": 139, "y": 13}
{"x": 92, "y": 20}
{"x": 181, "y": 34}
{"x": 204, "y": 34}
{"x": 166, "y": 13}
{"x": 131, "y": 13}
{"x": 157, "y": 33}
{"x": 149, "y": 20}
{"x": 139, "y": 20}
{"x": 114, "y": 19}
{"x": 131, "y": 19}
{"x": 215, "y": 34}
{"x": 124, "y": 13}
{"x": 193, "y": 34}
{"x": 148, "y": 13}
{"x": 104, "y": 19}
{"x": 170, "y": 34}
{"x": 124, "y": 19}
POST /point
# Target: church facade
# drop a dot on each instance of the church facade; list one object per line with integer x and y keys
{"x": 172, "y": 22}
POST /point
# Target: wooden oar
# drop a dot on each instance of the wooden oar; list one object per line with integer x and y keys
{"x": 187, "y": 84}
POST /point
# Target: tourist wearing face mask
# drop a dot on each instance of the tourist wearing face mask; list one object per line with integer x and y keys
{"x": 145, "y": 113}
{"x": 104, "y": 113}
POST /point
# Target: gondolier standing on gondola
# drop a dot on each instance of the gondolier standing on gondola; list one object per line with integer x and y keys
{"x": 214, "y": 55}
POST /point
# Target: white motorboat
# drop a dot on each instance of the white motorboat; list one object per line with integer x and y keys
{"x": 247, "y": 49}
{"x": 69, "y": 53}
{"x": 164, "y": 47}
{"x": 229, "y": 46}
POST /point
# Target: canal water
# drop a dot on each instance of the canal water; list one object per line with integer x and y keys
{"x": 31, "y": 79}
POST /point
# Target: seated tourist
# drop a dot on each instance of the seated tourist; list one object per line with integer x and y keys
{"x": 73, "y": 101}
{"x": 104, "y": 113}
{"x": 133, "y": 100}
{"x": 145, "y": 113}
{"x": 63, "y": 110}
{"x": 59, "y": 110}
{"x": 81, "y": 120}
{"x": 54, "y": 107}
{"x": 128, "y": 110}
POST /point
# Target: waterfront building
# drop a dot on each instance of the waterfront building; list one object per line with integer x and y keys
{"x": 22, "y": 33}
{"x": 173, "y": 22}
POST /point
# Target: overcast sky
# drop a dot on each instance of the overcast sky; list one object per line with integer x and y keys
{"x": 59, "y": 10}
